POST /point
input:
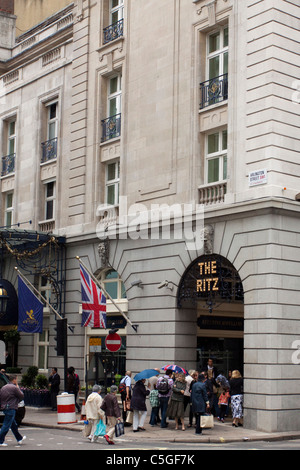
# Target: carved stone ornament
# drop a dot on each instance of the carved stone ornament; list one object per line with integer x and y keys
{"x": 208, "y": 239}
{"x": 103, "y": 251}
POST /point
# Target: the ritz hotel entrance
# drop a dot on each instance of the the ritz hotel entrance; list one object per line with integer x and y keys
{"x": 212, "y": 286}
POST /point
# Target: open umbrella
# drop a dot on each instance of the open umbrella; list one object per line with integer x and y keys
{"x": 146, "y": 374}
{"x": 175, "y": 369}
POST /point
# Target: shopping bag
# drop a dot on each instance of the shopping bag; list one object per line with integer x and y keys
{"x": 119, "y": 429}
{"x": 100, "y": 428}
{"x": 129, "y": 417}
{"x": 207, "y": 421}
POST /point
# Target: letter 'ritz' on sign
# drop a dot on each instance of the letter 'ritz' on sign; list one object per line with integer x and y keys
{"x": 208, "y": 283}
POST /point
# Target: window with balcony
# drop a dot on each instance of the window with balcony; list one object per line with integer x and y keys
{"x": 49, "y": 147}
{"x": 111, "y": 126}
{"x": 116, "y": 15}
{"x": 215, "y": 88}
{"x": 112, "y": 183}
{"x": 8, "y": 160}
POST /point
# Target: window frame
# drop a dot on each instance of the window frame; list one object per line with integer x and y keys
{"x": 48, "y": 199}
{"x": 114, "y": 182}
{"x": 8, "y": 209}
{"x": 220, "y": 52}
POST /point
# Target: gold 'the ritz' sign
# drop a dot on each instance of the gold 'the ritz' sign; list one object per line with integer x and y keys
{"x": 209, "y": 282}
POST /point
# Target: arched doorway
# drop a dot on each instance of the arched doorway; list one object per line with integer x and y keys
{"x": 212, "y": 286}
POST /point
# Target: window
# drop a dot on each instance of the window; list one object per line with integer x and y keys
{"x": 52, "y": 121}
{"x": 217, "y": 53}
{"x": 114, "y": 95}
{"x": 114, "y": 285}
{"x": 50, "y": 200}
{"x": 116, "y": 10}
{"x": 11, "y": 147}
{"x": 42, "y": 350}
{"x": 216, "y": 156}
{"x": 8, "y": 216}
{"x": 112, "y": 183}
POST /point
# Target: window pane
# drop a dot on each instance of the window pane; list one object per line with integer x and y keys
{"x": 52, "y": 130}
{"x": 112, "y": 275}
{"x": 9, "y": 200}
{"x": 213, "y": 143}
{"x": 114, "y": 3}
{"x": 8, "y": 219}
{"x": 213, "y": 170}
{"x": 111, "y": 194}
{"x": 225, "y": 44}
{"x": 214, "y": 42}
{"x": 225, "y": 64}
{"x": 113, "y": 85}
{"x": 52, "y": 111}
{"x": 11, "y": 146}
{"x": 123, "y": 291}
{"x": 49, "y": 210}
{"x": 214, "y": 67}
{"x": 111, "y": 171}
{"x": 12, "y": 127}
{"x": 224, "y": 140}
{"x": 50, "y": 189}
{"x": 112, "y": 289}
{"x": 224, "y": 168}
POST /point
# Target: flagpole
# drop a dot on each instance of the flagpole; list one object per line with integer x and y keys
{"x": 42, "y": 298}
{"x": 107, "y": 294}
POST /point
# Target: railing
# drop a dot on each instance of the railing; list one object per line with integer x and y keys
{"x": 212, "y": 193}
{"x": 111, "y": 127}
{"x": 113, "y": 31}
{"x": 8, "y": 164}
{"x": 49, "y": 150}
{"x": 214, "y": 91}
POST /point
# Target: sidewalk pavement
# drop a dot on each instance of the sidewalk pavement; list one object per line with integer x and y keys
{"x": 220, "y": 433}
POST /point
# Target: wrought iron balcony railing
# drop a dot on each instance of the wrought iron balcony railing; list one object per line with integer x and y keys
{"x": 113, "y": 31}
{"x": 214, "y": 91}
{"x": 8, "y": 164}
{"x": 49, "y": 150}
{"x": 111, "y": 127}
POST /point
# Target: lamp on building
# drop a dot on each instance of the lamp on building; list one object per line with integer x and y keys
{"x": 3, "y": 299}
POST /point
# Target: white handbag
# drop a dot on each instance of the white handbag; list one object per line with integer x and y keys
{"x": 207, "y": 421}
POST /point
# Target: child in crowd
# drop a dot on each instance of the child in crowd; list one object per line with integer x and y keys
{"x": 223, "y": 403}
{"x": 154, "y": 402}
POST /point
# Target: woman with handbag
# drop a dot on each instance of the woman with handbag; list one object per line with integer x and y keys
{"x": 113, "y": 414}
{"x": 93, "y": 412}
{"x": 199, "y": 400}
{"x": 138, "y": 405}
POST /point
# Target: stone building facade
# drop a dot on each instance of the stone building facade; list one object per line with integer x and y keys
{"x": 189, "y": 103}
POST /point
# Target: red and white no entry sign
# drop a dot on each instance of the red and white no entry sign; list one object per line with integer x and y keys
{"x": 113, "y": 342}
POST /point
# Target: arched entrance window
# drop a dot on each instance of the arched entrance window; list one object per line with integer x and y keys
{"x": 212, "y": 286}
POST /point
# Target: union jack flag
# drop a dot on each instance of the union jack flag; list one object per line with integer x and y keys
{"x": 93, "y": 302}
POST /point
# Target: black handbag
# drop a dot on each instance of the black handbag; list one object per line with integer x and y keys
{"x": 119, "y": 429}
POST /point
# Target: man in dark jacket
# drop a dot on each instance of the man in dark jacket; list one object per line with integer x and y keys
{"x": 199, "y": 400}
{"x": 10, "y": 396}
{"x": 54, "y": 382}
{"x": 113, "y": 414}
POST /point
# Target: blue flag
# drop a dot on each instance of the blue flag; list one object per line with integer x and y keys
{"x": 30, "y": 310}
